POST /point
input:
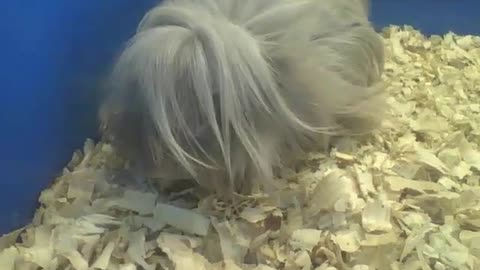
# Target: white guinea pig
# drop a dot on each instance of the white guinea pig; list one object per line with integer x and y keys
{"x": 225, "y": 91}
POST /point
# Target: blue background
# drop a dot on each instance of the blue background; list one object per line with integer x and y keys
{"x": 54, "y": 54}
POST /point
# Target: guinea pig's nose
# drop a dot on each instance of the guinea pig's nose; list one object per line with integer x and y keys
{"x": 167, "y": 170}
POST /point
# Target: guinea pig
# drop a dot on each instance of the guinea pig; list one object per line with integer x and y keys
{"x": 226, "y": 91}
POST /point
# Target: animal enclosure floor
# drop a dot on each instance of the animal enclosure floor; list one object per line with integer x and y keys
{"x": 406, "y": 197}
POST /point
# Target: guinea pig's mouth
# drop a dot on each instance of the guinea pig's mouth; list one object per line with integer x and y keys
{"x": 167, "y": 173}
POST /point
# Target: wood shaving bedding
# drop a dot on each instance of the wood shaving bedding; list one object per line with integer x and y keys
{"x": 406, "y": 197}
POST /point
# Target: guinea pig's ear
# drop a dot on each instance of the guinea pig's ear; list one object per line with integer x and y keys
{"x": 366, "y": 6}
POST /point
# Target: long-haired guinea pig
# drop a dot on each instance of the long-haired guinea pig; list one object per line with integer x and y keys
{"x": 226, "y": 91}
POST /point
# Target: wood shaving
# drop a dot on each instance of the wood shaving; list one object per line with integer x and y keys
{"x": 405, "y": 197}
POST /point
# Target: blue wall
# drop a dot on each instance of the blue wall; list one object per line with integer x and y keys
{"x": 54, "y": 54}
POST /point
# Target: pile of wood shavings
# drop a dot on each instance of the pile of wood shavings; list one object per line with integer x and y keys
{"x": 407, "y": 197}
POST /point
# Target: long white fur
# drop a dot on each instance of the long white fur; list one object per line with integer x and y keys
{"x": 224, "y": 91}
